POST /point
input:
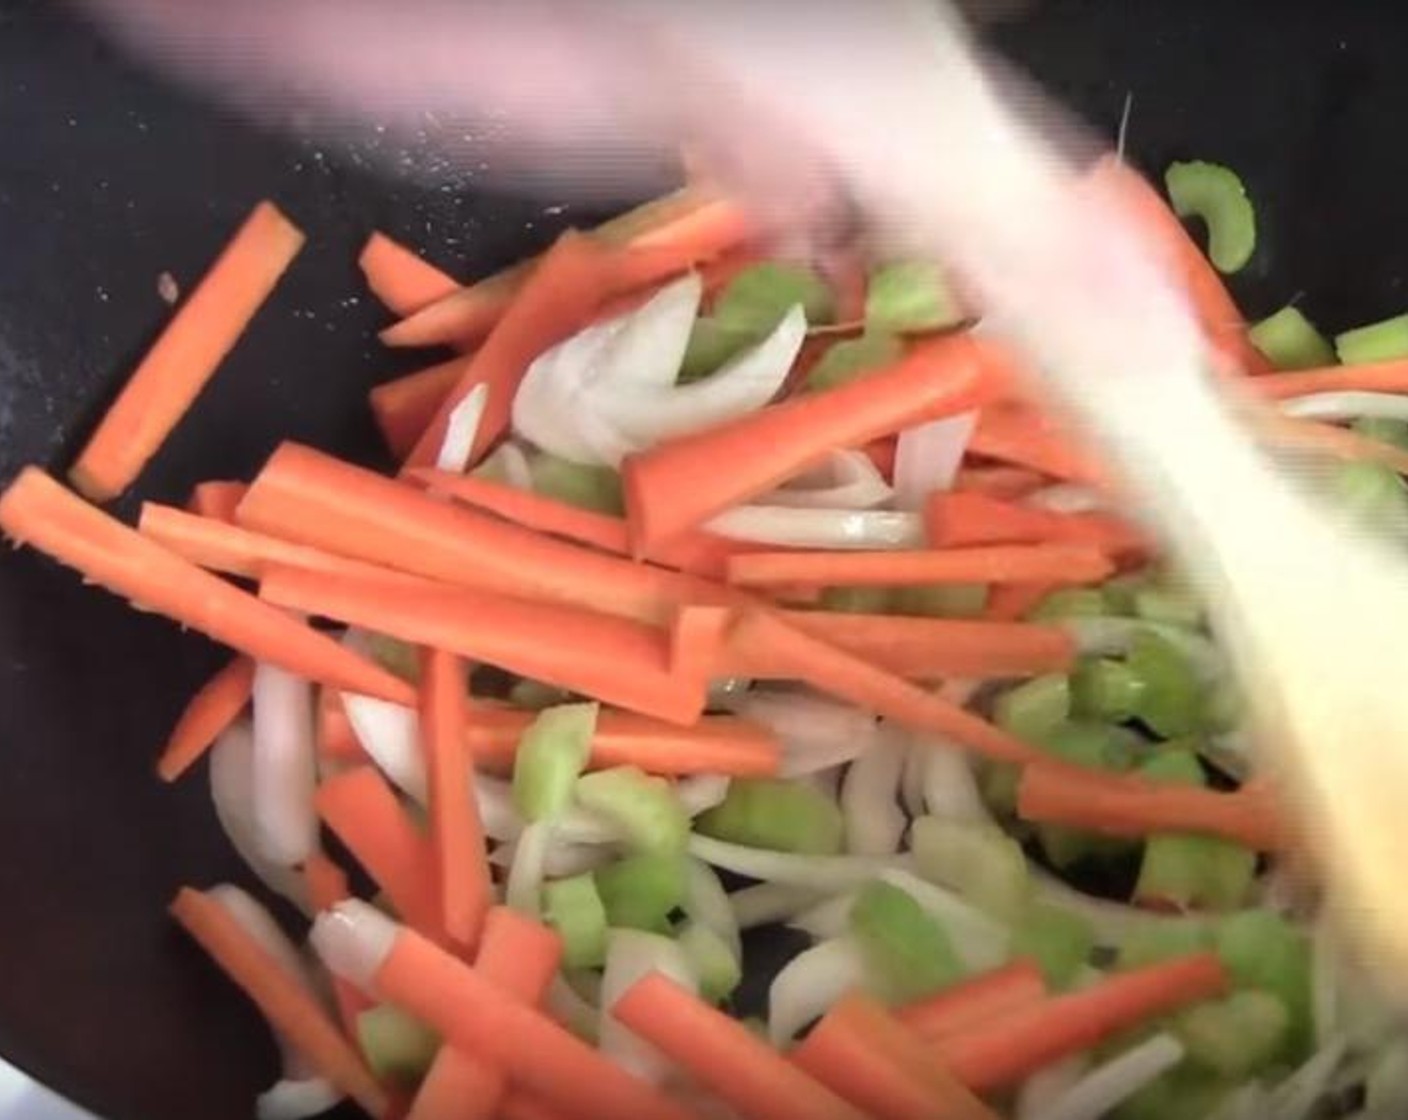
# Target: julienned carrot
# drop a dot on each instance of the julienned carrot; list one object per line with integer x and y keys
{"x": 216, "y": 499}
{"x": 793, "y": 654}
{"x": 1020, "y": 436}
{"x": 336, "y": 739}
{"x": 404, "y": 407}
{"x": 1329, "y": 439}
{"x": 980, "y": 999}
{"x": 461, "y": 862}
{"x": 478, "y": 1016}
{"x": 1038, "y": 563}
{"x": 184, "y": 358}
{"x": 36, "y": 510}
{"x": 714, "y": 745}
{"x": 863, "y": 1053}
{"x": 403, "y": 280}
{"x": 522, "y": 1106}
{"x": 305, "y": 496}
{"x": 282, "y": 998}
{"x": 1000, "y": 1052}
{"x": 211, "y": 710}
{"x": 1371, "y": 377}
{"x": 722, "y": 1054}
{"x": 364, "y": 813}
{"x": 327, "y": 886}
{"x": 960, "y": 518}
{"x": 612, "y": 659}
{"x": 679, "y": 484}
{"x": 1011, "y": 602}
{"x": 999, "y": 481}
{"x": 697, "y": 639}
{"x": 1126, "y": 805}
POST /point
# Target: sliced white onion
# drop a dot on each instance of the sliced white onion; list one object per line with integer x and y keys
{"x": 510, "y": 462}
{"x": 571, "y": 1009}
{"x": 1111, "y": 637}
{"x": 285, "y": 765}
{"x": 809, "y": 984}
{"x": 1349, "y": 405}
{"x": 232, "y": 794}
{"x": 501, "y": 821}
{"x": 707, "y": 903}
{"x": 1113, "y": 923}
{"x": 814, "y": 733}
{"x": 1066, "y": 497}
{"x": 1250, "y": 1102}
{"x": 1116, "y": 1080}
{"x": 846, "y": 479}
{"x": 927, "y": 457}
{"x": 701, "y": 792}
{"x": 1295, "y": 1098}
{"x": 1047, "y": 1085}
{"x": 820, "y": 528}
{"x": 353, "y": 939}
{"x": 762, "y": 904}
{"x": 648, "y": 350}
{"x": 630, "y": 956}
{"x": 460, "y": 430}
{"x": 980, "y": 942}
{"x": 524, "y": 891}
{"x": 562, "y": 859}
{"x": 950, "y": 786}
{"x": 390, "y": 734}
{"x": 870, "y": 805}
{"x": 916, "y": 761}
{"x": 826, "y": 874}
{"x": 295, "y": 1100}
{"x": 829, "y": 918}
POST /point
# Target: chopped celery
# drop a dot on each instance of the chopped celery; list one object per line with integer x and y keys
{"x": 1290, "y": 341}
{"x": 534, "y": 695}
{"x": 758, "y": 297}
{"x": 1235, "y": 1036}
{"x": 780, "y": 815}
{"x": 711, "y": 345}
{"x": 1105, "y": 689}
{"x": 856, "y": 600}
{"x": 574, "y": 908}
{"x": 1035, "y": 707}
{"x": 1383, "y": 341}
{"x": 850, "y": 358}
{"x": 719, "y": 971}
{"x": 1216, "y": 195}
{"x": 998, "y": 782}
{"x": 1153, "y": 944}
{"x": 909, "y": 296}
{"x": 641, "y": 891}
{"x": 397, "y": 1048}
{"x": 1261, "y": 950}
{"x": 1171, "y": 702}
{"x": 1383, "y": 429}
{"x": 908, "y": 955}
{"x": 1097, "y": 746}
{"x": 1371, "y": 494}
{"x": 551, "y": 755}
{"x": 1174, "y": 606}
{"x": 577, "y": 484}
{"x": 395, "y": 656}
{"x": 1069, "y": 602}
{"x": 979, "y": 861}
{"x": 1118, "y": 593}
{"x": 1184, "y": 1093}
{"x": 647, "y": 808}
{"x": 941, "y": 600}
{"x": 1059, "y": 940}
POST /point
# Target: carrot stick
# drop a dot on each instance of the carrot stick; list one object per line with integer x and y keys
{"x": 697, "y": 640}
{"x": 1126, "y": 805}
{"x": 1372, "y": 377}
{"x": 725, "y": 1056}
{"x": 1010, "y": 602}
{"x": 462, "y": 866}
{"x": 184, "y": 358}
{"x": 998, "y": 1053}
{"x": 679, "y": 484}
{"x": 364, "y": 813}
{"x": 1045, "y": 563}
{"x": 615, "y": 660}
{"x": 975, "y": 1001}
{"x": 521, "y": 1106}
{"x": 960, "y": 518}
{"x": 211, "y": 710}
{"x": 36, "y": 510}
{"x": 1341, "y": 443}
{"x": 1021, "y": 437}
{"x": 999, "y": 481}
{"x": 327, "y": 886}
{"x": 216, "y": 499}
{"x": 404, "y": 407}
{"x": 477, "y": 1016}
{"x": 336, "y": 739}
{"x": 282, "y": 999}
{"x": 793, "y": 654}
{"x": 861, "y": 1052}
{"x": 714, "y": 745}
{"x": 401, "y": 278}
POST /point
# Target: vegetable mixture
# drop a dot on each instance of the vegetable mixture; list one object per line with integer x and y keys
{"x": 716, "y": 592}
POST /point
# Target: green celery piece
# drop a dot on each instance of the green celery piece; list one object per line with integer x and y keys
{"x": 998, "y": 782}
{"x": 1172, "y": 700}
{"x": 641, "y": 891}
{"x": 574, "y": 908}
{"x": 1156, "y": 943}
{"x": 758, "y": 297}
{"x": 1214, "y": 193}
{"x": 1103, "y": 688}
{"x": 1059, "y": 940}
{"x": 1035, "y": 707}
{"x": 1371, "y": 494}
{"x": 577, "y": 484}
{"x": 908, "y": 955}
{"x": 1069, "y": 602}
{"x": 941, "y": 600}
{"x": 718, "y": 970}
{"x": 1383, "y": 341}
{"x": 1290, "y": 341}
{"x": 856, "y": 600}
{"x": 395, "y": 656}
{"x": 1184, "y": 1093}
{"x": 712, "y": 345}
{"x": 552, "y": 754}
{"x": 1118, "y": 593}
{"x": 646, "y": 807}
{"x": 1383, "y": 429}
{"x": 1262, "y": 951}
{"x": 398, "y": 1048}
{"x": 979, "y": 861}
{"x": 1223, "y": 708}
{"x": 1173, "y": 606}
{"x": 1236, "y": 1036}
{"x": 907, "y": 297}
{"x": 852, "y": 358}
{"x": 777, "y": 814}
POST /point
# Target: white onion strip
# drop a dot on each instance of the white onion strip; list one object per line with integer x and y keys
{"x": 927, "y": 457}
{"x": 814, "y": 733}
{"x": 461, "y": 429}
{"x": 847, "y": 479}
{"x": 524, "y": 891}
{"x": 866, "y": 529}
{"x": 1116, "y": 1080}
{"x": 631, "y": 955}
{"x": 870, "y": 807}
{"x": 827, "y": 919}
{"x": 285, "y": 765}
{"x": 809, "y": 984}
{"x": 762, "y": 904}
{"x": 707, "y": 903}
{"x": 950, "y": 786}
{"x": 826, "y": 874}
{"x": 390, "y": 734}
{"x": 980, "y": 942}
{"x": 1066, "y": 497}
{"x": 1350, "y": 405}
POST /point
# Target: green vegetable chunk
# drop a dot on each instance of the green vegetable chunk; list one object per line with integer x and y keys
{"x": 1156, "y": 943}
{"x": 1034, "y": 708}
{"x": 712, "y": 345}
{"x": 551, "y": 755}
{"x": 1290, "y": 341}
{"x": 1184, "y": 1093}
{"x": 1070, "y": 602}
{"x": 719, "y": 971}
{"x": 646, "y": 807}
{"x": 758, "y": 297}
{"x": 1372, "y": 495}
{"x": 1171, "y": 701}
{"x": 1262, "y": 951}
{"x": 395, "y": 656}
{"x": 577, "y": 484}
{"x": 1105, "y": 689}
{"x": 641, "y": 891}
{"x": 1383, "y": 341}
{"x": 1383, "y": 429}
{"x": 941, "y": 600}
{"x": 1059, "y": 940}
{"x": 908, "y": 955}
{"x": 777, "y": 814}
{"x": 1173, "y": 606}
{"x": 856, "y": 600}
{"x": 1236, "y": 1036}
{"x": 978, "y": 861}
{"x": 1215, "y": 194}
{"x": 398, "y": 1048}
{"x": 853, "y": 358}
{"x": 574, "y": 908}
{"x": 907, "y": 297}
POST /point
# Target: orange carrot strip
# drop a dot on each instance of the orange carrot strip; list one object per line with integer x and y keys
{"x": 463, "y": 869}
{"x": 327, "y": 886}
{"x": 697, "y": 641}
{"x": 1372, "y": 377}
{"x": 793, "y": 654}
{"x": 1126, "y": 805}
{"x": 364, "y": 813}
{"x": 861, "y": 1052}
{"x": 1048, "y": 563}
{"x": 714, "y": 745}
{"x": 477, "y": 1016}
{"x": 1342, "y": 443}
{"x": 305, "y": 496}
{"x": 1010, "y": 602}
{"x": 977, "y": 1000}
{"x": 36, "y": 510}
{"x": 283, "y": 1000}
{"x": 999, "y": 481}
{"x": 404, "y": 407}
{"x": 997, "y": 1053}
{"x": 522, "y": 1106}
{"x": 679, "y": 484}
{"x": 403, "y": 280}
{"x": 336, "y": 739}
{"x": 725, "y": 1056}
{"x": 211, "y": 710}
{"x": 613, "y": 659}
{"x": 960, "y": 518}
{"x": 1024, "y": 438}
{"x": 184, "y": 358}
{"x": 216, "y": 499}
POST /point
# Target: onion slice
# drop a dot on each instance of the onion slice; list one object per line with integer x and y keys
{"x": 460, "y": 430}
{"x": 825, "y": 874}
{"x": 814, "y": 733}
{"x": 631, "y": 955}
{"x": 866, "y": 529}
{"x": 390, "y": 734}
{"x": 285, "y": 766}
{"x": 870, "y": 806}
{"x": 1350, "y": 405}
{"x": 846, "y": 479}
{"x": 927, "y": 457}
{"x": 1116, "y": 1080}
{"x": 810, "y": 983}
